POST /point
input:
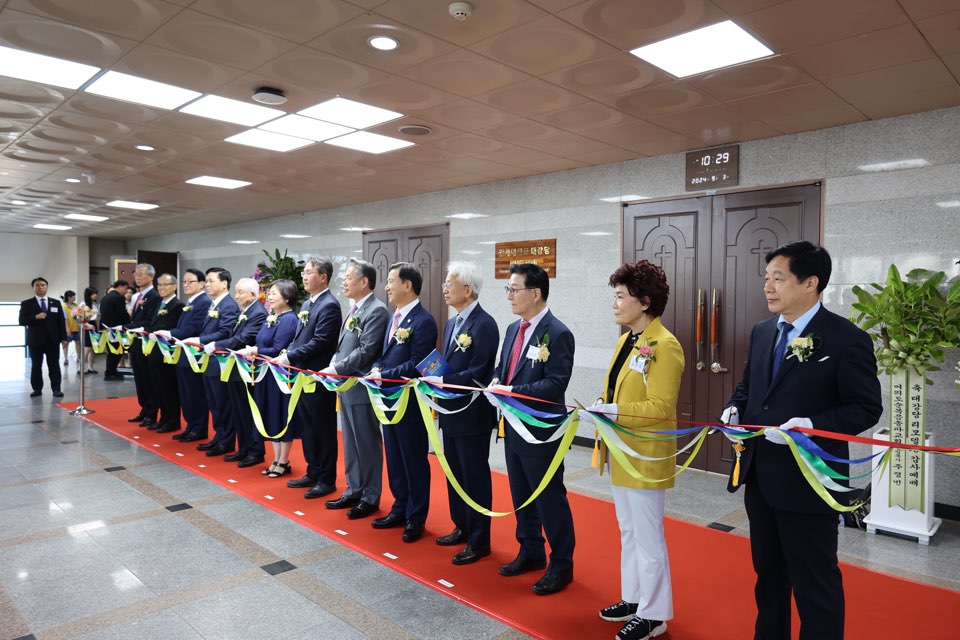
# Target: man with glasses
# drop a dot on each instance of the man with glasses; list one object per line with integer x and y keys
{"x": 313, "y": 348}
{"x": 145, "y": 307}
{"x": 193, "y": 400}
{"x": 163, "y": 378}
{"x": 536, "y": 360}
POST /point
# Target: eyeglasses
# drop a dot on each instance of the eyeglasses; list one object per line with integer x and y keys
{"x": 166, "y": 284}
{"x": 446, "y": 286}
{"x": 190, "y": 281}
{"x": 308, "y": 272}
{"x": 512, "y": 291}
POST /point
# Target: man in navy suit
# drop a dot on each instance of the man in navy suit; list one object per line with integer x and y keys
{"x": 412, "y": 337}
{"x": 470, "y": 342}
{"x": 193, "y": 399}
{"x": 243, "y": 334}
{"x": 527, "y": 368}
{"x": 144, "y": 310}
{"x": 163, "y": 377}
{"x": 313, "y": 348}
{"x": 830, "y": 385}
{"x": 113, "y": 314}
{"x": 46, "y": 331}
{"x": 218, "y": 324}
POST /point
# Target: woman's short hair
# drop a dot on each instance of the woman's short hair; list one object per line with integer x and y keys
{"x": 68, "y": 294}
{"x": 287, "y": 290}
{"x": 646, "y": 282}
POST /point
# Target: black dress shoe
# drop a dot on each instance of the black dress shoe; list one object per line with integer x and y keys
{"x": 552, "y": 583}
{"x": 36, "y": 394}
{"x": 389, "y": 521}
{"x": 168, "y": 428}
{"x": 58, "y": 394}
{"x": 136, "y": 418}
{"x": 343, "y": 502}
{"x": 469, "y": 554}
{"x": 521, "y": 565}
{"x": 457, "y": 536}
{"x": 114, "y": 378}
{"x": 153, "y": 427}
{"x": 319, "y": 490}
{"x": 219, "y": 450}
{"x": 234, "y": 457}
{"x": 249, "y": 461}
{"x": 363, "y": 510}
{"x": 301, "y": 483}
{"x": 412, "y": 532}
{"x": 186, "y": 436}
{"x": 206, "y": 446}
{"x": 148, "y": 422}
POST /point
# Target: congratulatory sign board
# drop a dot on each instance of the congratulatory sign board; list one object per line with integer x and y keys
{"x": 542, "y": 253}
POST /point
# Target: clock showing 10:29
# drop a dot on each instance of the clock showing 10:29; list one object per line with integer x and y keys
{"x": 713, "y": 168}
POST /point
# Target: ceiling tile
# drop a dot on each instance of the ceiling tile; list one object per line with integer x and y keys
{"x": 901, "y": 79}
{"x": 400, "y": 94}
{"x": 66, "y": 41}
{"x": 530, "y": 97}
{"x": 752, "y": 78}
{"x": 464, "y": 73}
{"x": 318, "y": 71}
{"x": 633, "y": 134}
{"x": 815, "y": 119}
{"x": 469, "y": 144}
{"x": 542, "y": 137}
{"x": 607, "y": 155}
{"x": 864, "y": 52}
{"x": 583, "y": 117}
{"x": 739, "y": 7}
{"x": 891, "y": 104}
{"x": 296, "y": 20}
{"x": 942, "y": 32}
{"x": 135, "y": 20}
{"x": 715, "y": 124}
{"x": 437, "y": 131}
{"x": 661, "y": 99}
{"x": 181, "y": 70}
{"x": 609, "y": 75}
{"x": 433, "y": 17}
{"x": 108, "y": 109}
{"x": 918, "y": 9}
{"x": 467, "y": 115}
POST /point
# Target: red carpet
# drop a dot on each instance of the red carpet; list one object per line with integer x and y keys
{"x": 712, "y": 575}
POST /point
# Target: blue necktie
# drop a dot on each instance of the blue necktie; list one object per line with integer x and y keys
{"x": 781, "y": 349}
{"x": 43, "y": 305}
{"x": 457, "y": 324}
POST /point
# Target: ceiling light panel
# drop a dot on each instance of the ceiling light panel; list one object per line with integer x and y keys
{"x": 268, "y": 140}
{"x": 369, "y": 142}
{"x": 301, "y": 127}
{"x": 244, "y": 242}
{"x": 24, "y": 65}
{"x": 220, "y": 183}
{"x": 126, "y": 204}
{"x": 235, "y": 111}
{"x": 52, "y": 227}
{"x": 86, "y": 217}
{"x": 121, "y": 86}
{"x": 720, "y": 45}
{"x": 467, "y": 216}
{"x": 294, "y": 236}
{"x": 350, "y": 113}
{"x": 383, "y": 43}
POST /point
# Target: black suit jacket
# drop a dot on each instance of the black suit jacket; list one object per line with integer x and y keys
{"x": 218, "y": 328}
{"x": 113, "y": 310}
{"x": 52, "y": 330}
{"x": 836, "y": 388}
{"x": 547, "y": 380}
{"x": 316, "y": 341}
{"x": 470, "y": 366}
{"x": 244, "y": 334}
{"x": 146, "y": 311}
{"x": 167, "y": 320}
{"x": 400, "y": 359}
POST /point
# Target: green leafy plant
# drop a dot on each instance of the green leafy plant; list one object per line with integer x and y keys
{"x": 280, "y": 267}
{"x": 910, "y": 319}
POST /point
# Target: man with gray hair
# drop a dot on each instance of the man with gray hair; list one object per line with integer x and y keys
{"x": 470, "y": 343}
{"x": 145, "y": 307}
{"x": 360, "y": 344}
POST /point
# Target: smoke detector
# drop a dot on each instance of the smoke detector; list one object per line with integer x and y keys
{"x": 269, "y": 95}
{"x": 460, "y": 10}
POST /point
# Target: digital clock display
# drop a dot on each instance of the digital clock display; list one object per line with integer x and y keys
{"x": 713, "y": 168}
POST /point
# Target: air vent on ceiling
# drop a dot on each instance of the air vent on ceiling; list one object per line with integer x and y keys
{"x": 415, "y": 130}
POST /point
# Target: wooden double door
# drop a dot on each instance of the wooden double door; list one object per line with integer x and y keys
{"x": 712, "y": 249}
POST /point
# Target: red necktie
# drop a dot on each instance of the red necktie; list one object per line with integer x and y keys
{"x": 517, "y": 348}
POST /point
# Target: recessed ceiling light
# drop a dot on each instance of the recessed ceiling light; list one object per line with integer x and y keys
{"x": 912, "y": 163}
{"x": 44, "y": 69}
{"x": 52, "y": 227}
{"x": 949, "y": 204}
{"x": 719, "y": 45}
{"x": 294, "y": 236}
{"x": 221, "y": 183}
{"x": 18, "y": 202}
{"x": 234, "y": 111}
{"x": 244, "y": 242}
{"x": 467, "y": 216}
{"x": 625, "y": 198}
{"x": 595, "y": 233}
{"x": 268, "y": 140}
{"x": 356, "y": 229}
{"x": 121, "y": 86}
{"x": 126, "y": 204}
{"x": 85, "y": 216}
{"x": 350, "y": 113}
{"x": 73, "y": 180}
{"x": 145, "y": 147}
{"x": 383, "y": 43}
{"x": 369, "y": 142}
{"x": 301, "y": 127}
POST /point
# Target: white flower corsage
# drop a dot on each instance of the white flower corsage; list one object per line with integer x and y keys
{"x": 802, "y": 348}
{"x": 162, "y": 312}
{"x": 403, "y": 334}
{"x": 189, "y": 307}
{"x": 242, "y": 318}
{"x": 214, "y": 313}
{"x": 353, "y": 323}
{"x": 543, "y": 353}
{"x": 304, "y": 316}
{"x": 271, "y": 320}
{"x": 463, "y": 342}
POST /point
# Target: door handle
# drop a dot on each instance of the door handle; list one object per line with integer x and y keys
{"x": 716, "y": 367}
{"x": 698, "y": 331}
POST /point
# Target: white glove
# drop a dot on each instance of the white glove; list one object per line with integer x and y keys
{"x": 432, "y": 379}
{"x": 210, "y": 347}
{"x": 331, "y": 370}
{"x": 609, "y": 411}
{"x": 282, "y": 358}
{"x": 488, "y": 393}
{"x": 371, "y": 377}
{"x": 164, "y": 333}
{"x": 775, "y": 435}
{"x": 246, "y": 352}
{"x": 730, "y": 417}
{"x": 586, "y": 420}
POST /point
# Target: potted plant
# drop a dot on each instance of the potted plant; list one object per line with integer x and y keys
{"x": 279, "y": 267}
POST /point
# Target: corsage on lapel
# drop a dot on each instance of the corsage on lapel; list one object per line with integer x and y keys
{"x": 353, "y": 323}
{"x": 304, "y": 316}
{"x": 464, "y": 340}
{"x": 803, "y": 347}
{"x": 271, "y": 320}
{"x": 214, "y": 313}
{"x": 543, "y": 353}
{"x": 645, "y": 355}
{"x": 162, "y": 312}
{"x": 403, "y": 334}
{"x": 242, "y": 318}
{"x": 189, "y": 307}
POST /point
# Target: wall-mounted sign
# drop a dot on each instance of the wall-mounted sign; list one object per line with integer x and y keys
{"x": 713, "y": 168}
{"x": 542, "y": 253}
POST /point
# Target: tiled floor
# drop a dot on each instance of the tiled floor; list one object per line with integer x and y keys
{"x": 74, "y": 562}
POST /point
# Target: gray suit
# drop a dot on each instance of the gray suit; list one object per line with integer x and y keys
{"x": 362, "y": 440}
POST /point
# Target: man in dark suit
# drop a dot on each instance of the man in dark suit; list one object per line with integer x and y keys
{"x": 244, "y": 334}
{"x": 828, "y": 382}
{"x": 313, "y": 348}
{"x": 113, "y": 314}
{"x": 360, "y": 344}
{"x": 411, "y": 338}
{"x": 193, "y": 398}
{"x": 163, "y": 377}
{"x": 537, "y": 360}
{"x": 219, "y": 323}
{"x": 145, "y": 308}
{"x": 470, "y": 342}
{"x": 46, "y": 331}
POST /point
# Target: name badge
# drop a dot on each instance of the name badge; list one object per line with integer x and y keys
{"x": 638, "y": 364}
{"x": 54, "y": 309}
{"x": 533, "y": 352}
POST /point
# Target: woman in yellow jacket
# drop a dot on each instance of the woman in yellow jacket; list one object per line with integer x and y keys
{"x": 640, "y": 395}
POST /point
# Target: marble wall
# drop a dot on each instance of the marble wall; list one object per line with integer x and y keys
{"x": 909, "y": 216}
